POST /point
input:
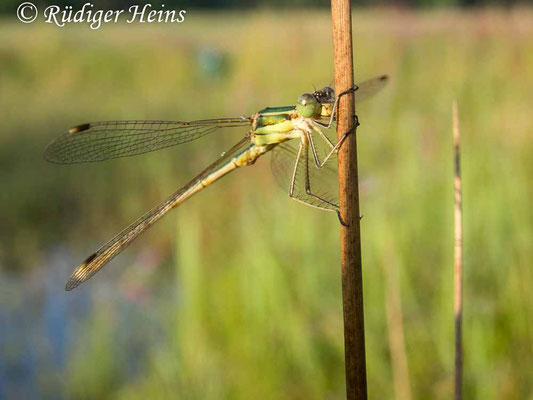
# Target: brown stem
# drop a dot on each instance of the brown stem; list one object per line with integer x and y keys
{"x": 351, "y": 267}
{"x": 458, "y": 269}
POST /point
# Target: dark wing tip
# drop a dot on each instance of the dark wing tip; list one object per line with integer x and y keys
{"x": 81, "y": 273}
{"x": 54, "y": 152}
{"x": 79, "y": 128}
{"x": 71, "y": 284}
{"x": 384, "y": 78}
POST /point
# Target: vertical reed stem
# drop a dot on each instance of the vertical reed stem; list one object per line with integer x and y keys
{"x": 351, "y": 266}
{"x": 393, "y": 307}
{"x": 458, "y": 269}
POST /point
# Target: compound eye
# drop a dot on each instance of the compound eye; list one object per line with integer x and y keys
{"x": 307, "y": 105}
{"x": 329, "y": 93}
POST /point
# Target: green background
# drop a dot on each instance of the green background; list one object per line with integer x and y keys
{"x": 237, "y": 293}
{"x": 10, "y": 6}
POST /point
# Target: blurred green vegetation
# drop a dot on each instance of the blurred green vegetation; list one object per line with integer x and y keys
{"x": 237, "y": 293}
{"x": 10, "y": 6}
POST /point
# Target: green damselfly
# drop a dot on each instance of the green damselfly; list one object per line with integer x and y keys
{"x": 271, "y": 129}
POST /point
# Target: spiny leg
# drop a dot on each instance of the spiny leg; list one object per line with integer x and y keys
{"x": 320, "y": 202}
{"x": 318, "y": 163}
{"x": 334, "y": 109}
{"x": 334, "y": 148}
{"x": 295, "y": 170}
{"x": 308, "y": 190}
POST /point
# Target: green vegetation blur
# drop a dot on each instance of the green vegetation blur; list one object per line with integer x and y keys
{"x": 237, "y": 293}
{"x": 10, "y": 6}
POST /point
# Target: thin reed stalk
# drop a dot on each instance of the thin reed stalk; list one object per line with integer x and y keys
{"x": 458, "y": 268}
{"x": 351, "y": 266}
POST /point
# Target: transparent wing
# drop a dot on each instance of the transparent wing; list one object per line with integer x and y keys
{"x": 282, "y": 163}
{"x": 113, "y": 247}
{"x": 323, "y": 183}
{"x": 98, "y": 141}
{"x": 370, "y": 87}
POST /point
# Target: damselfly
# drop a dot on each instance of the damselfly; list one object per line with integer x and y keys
{"x": 270, "y": 129}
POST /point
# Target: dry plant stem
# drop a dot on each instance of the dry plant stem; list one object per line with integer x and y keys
{"x": 458, "y": 270}
{"x": 352, "y": 282}
{"x": 400, "y": 369}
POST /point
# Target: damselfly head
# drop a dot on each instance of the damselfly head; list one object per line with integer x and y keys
{"x": 308, "y": 105}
